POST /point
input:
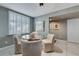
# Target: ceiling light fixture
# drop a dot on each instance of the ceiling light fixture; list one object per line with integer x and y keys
{"x": 41, "y": 4}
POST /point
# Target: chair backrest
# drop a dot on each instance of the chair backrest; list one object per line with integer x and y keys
{"x": 31, "y": 48}
{"x": 34, "y": 35}
{"x": 50, "y": 37}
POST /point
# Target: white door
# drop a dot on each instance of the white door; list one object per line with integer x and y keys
{"x": 73, "y": 30}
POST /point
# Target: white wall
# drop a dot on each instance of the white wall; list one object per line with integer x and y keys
{"x": 3, "y": 22}
{"x": 73, "y": 30}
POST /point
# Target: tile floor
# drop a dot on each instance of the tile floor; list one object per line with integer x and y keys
{"x": 66, "y": 49}
{"x": 62, "y": 48}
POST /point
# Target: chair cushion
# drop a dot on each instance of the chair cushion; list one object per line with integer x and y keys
{"x": 50, "y": 36}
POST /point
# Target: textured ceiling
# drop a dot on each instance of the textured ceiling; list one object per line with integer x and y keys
{"x": 34, "y": 10}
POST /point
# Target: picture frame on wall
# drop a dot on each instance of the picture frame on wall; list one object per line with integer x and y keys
{"x": 56, "y": 26}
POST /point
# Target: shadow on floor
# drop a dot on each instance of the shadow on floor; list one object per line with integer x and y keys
{"x": 56, "y": 49}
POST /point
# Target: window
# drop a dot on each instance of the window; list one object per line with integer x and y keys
{"x": 39, "y": 26}
{"x": 25, "y": 24}
{"x": 18, "y": 24}
{"x": 11, "y": 22}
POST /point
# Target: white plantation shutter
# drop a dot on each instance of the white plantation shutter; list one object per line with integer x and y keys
{"x": 18, "y": 24}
